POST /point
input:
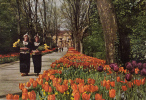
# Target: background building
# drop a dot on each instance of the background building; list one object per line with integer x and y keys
{"x": 63, "y": 39}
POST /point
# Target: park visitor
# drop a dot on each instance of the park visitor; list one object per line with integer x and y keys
{"x": 36, "y": 54}
{"x": 25, "y": 50}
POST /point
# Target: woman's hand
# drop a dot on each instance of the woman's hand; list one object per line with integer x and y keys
{"x": 36, "y": 51}
{"x": 24, "y": 48}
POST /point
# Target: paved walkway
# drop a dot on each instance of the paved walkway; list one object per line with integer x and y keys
{"x": 10, "y": 75}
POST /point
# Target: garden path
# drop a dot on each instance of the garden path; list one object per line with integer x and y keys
{"x": 10, "y": 75}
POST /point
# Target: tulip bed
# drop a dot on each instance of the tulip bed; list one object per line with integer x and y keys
{"x": 15, "y": 56}
{"x": 79, "y": 77}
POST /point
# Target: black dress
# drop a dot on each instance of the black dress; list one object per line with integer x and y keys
{"x": 37, "y": 58}
{"x": 25, "y": 58}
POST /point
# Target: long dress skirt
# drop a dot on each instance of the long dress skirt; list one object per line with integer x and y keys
{"x": 24, "y": 63}
{"x": 37, "y": 63}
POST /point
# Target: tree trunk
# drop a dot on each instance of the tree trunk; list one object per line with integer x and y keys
{"x": 51, "y": 42}
{"x": 35, "y": 24}
{"x": 30, "y": 19}
{"x": 44, "y": 27}
{"x": 75, "y": 42}
{"x": 81, "y": 47}
{"x": 18, "y": 18}
{"x": 109, "y": 25}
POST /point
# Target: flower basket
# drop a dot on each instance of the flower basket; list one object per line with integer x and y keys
{"x": 36, "y": 52}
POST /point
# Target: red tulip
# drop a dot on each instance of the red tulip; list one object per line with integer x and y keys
{"x": 112, "y": 66}
{"x": 140, "y": 66}
{"x": 143, "y": 72}
{"x": 144, "y": 65}
{"x": 129, "y": 66}
{"x": 134, "y": 64}
{"x": 116, "y": 68}
{"x": 128, "y": 77}
{"x": 100, "y": 68}
{"x": 132, "y": 71}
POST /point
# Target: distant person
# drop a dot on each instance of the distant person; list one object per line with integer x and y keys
{"x": 36, "y": 55}
{"x": 62, "y": 49}
{"x": 25, "y": 56}
{"x": 59, "y": 49}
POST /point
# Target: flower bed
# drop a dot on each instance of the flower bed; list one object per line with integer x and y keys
{"x": 15, "y": 56}
{"x": 79, "y": 77}
{"x": 9, "y": 58}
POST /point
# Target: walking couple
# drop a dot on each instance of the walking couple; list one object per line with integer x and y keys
{"x": 25, "y": 51}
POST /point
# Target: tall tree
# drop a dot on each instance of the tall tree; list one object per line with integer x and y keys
{"x": 76, "y": 11}
{"x": 18, "y": 17}
{"x": 109, "y": 25}
{"x": 35, "y": 23}
{"x": 44, "y": 26}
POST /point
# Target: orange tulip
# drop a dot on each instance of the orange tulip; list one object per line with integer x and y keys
{"x": 21, "y": 86}
{"x": 32, "y": 95}
{"x": 118, "y": 79}
{"x": 71, "y": 81}
{"x": 47, "y": 88}
{"x": 138, "y": 82}
{"x": 81, "y": 88}
{"x": 51, "y": 97}
{"x": 112, "y": 93}
{"x": 112, "y": 84}
{"x": 77, "y": 96}
{"x": 59, "y": 80}
{"x": 52, "y": 77}
{"x": 93, "y": 88}
{"x": 74, "y": 86}
{"x": 86, "y": 87}
{"x": 121, "y": 69}
{"x": 9, "y": 96}
{"x": 104, "y": 83}
{"x": 124, "y": 88}
{"x": 61, "y": 88}
{"x": 129, "y": 84}
{"x": 85, "y": 96}
{"x": 65, "y": 82}
{"x": 98, "y": 96}
{"x": 108, "y": 81}
{"x": 46, "y": 83}
{"x": 24, "y": 90}
{"x": 47, "y": 78}
{"x": 136, "y": 70}
{"x": 40, "y": 76}
{"x": 34, "y": 84}
{"x": 107, "y": 86}
{"x": 60, "y": 72}
{"x": 16, "y": 97}
{"x": 31, "y": 80}
{"x": 143, "y": 81}
{"x": 24, "y": 96}
{"x": 28, "y": 84}
{"x": 91, "y": 81}
{"x": 40, "y": 82}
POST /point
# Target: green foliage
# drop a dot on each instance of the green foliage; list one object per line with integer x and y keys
{"x": 41, "y": 48}
{"x": 8, "y": 27}
{"x": 131, "y": 35}
{"x": 94, "y": 43}
{"x": 138, "y": 38}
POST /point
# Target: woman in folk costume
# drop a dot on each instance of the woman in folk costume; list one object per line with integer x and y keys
{"x": 36, "y": 55}
{"x": 25, "y": 56}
